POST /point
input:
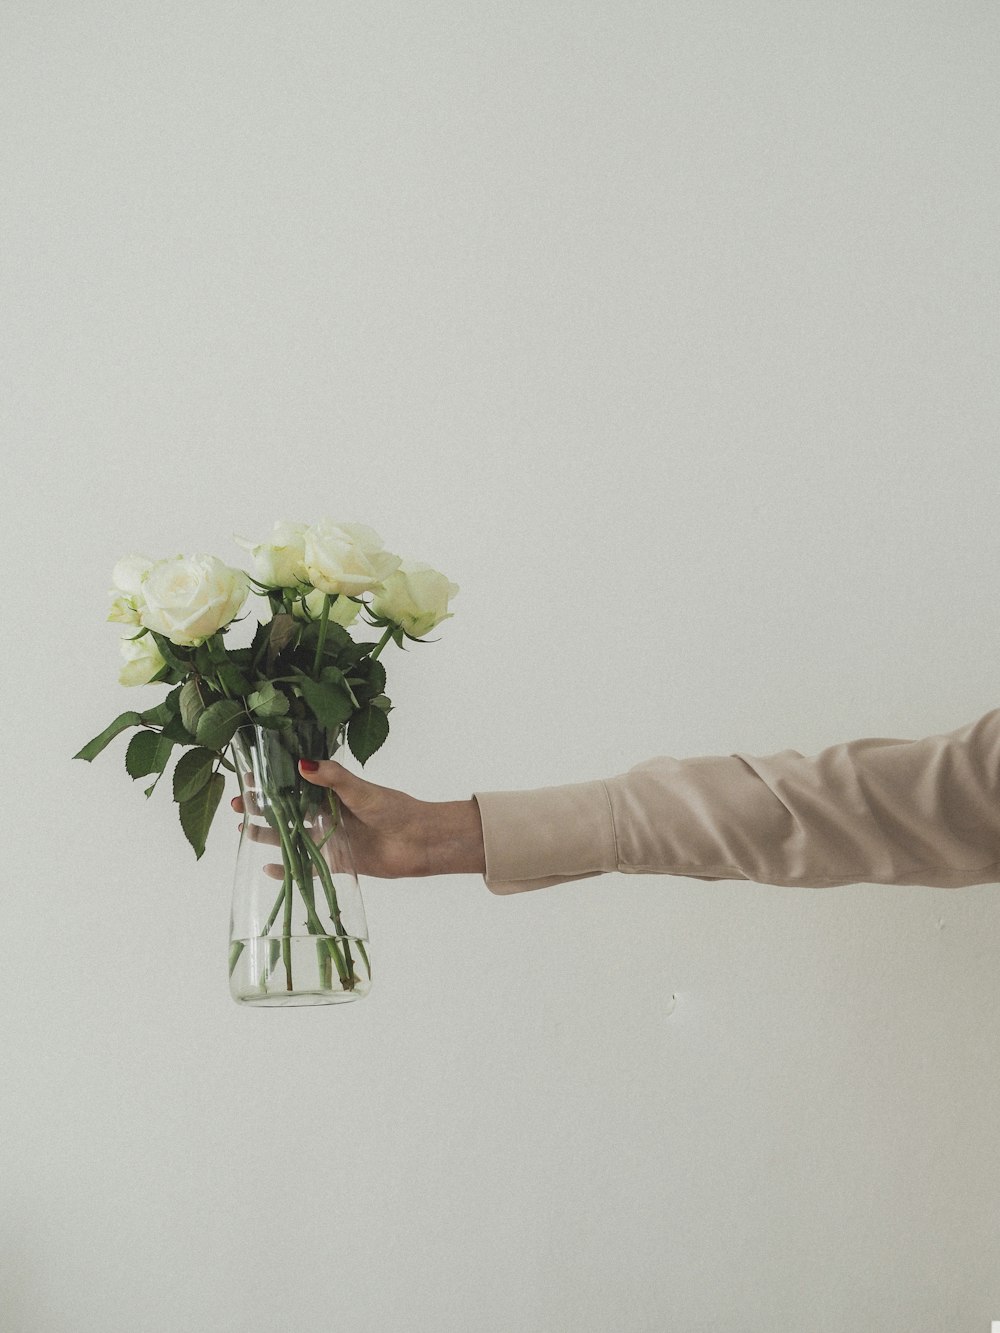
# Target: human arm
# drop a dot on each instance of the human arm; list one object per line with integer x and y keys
{"x": 873, "y": 810}
{"x": 879, "y": 810}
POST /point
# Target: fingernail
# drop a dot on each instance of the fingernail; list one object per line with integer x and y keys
{"x": 240, "y": 828}
{"x": 233, "y": 802}
{"x": 308, "y": 765}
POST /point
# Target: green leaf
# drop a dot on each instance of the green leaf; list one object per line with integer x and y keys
{"x": 175, "y": 730}
{"x": 241, "y": 658}
{"x": 147, "y": 753}
{"x": 121, "y": 722}
{"x": 158, "y": 716}
{"x": 165, "y": 710}
{"x": 335, "y": 641}
{"x": 283, "y": 629}
{"x": 262, "y": 638}
{"x": 232, "y": 679}
{"x": 169, "y": 653}
{"x": 191, "y": 772}
{"x": 366, "y": 731}
{"x": 376, "y": 675}
{"x": 382, "y": 701}
{"x": 331, "y": 675}
{"x": 368, "y": 680}
{"x": 268, "y": 701}
{"x": 215, "y": 647}
{"x": 261, "y": 635}
{"x": 354, "y": 652}
{"x": 191, "y": 706}
{"x": 218, "y": 724}
{"x": 197, "y": 812}
{"x": 213, "y": 659}
{"x": 331, "y": 704}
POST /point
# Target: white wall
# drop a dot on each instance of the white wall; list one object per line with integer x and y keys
{"x": 668, "y": 330}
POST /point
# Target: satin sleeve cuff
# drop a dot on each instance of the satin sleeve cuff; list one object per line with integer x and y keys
{"x": 545, "y": 836}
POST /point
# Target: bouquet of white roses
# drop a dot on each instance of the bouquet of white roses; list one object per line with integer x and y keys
{"x": 302, "y": 685}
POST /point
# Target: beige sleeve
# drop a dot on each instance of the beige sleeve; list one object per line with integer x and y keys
{"x": 871, "y": 811}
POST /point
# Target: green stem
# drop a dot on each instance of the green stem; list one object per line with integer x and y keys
{"x": 330, "y": 891}
{"x": 288, "y": 860}
{"x": 324, "y": 621}
{"x": 235, "y": 949}
{"x": 286, "y": 937}
{"x": 217, "y": 661}
{"x": 383, "y": 641}
{"x": 327, "y": 880}
{"x": 324, "y": 874}
{"x": 331, "y": 802}
{"x": 294, "y": 868}
{"x": 293, "y": 846}
{"x": 278, "y": 901}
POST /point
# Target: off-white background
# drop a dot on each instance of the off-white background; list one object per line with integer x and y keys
{"x": 668, "y": 331}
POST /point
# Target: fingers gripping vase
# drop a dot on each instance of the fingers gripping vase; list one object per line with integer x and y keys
{"x": 297, "y": 933}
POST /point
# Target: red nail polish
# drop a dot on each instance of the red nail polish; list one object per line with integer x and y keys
{"x": 308, "y": 765}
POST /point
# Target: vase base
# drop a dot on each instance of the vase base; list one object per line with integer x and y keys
{"x": 273, "y": 1000}
{"x": 274, "y": 972}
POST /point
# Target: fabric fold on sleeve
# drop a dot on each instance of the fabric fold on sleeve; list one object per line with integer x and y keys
{"x": 878, "y": 810}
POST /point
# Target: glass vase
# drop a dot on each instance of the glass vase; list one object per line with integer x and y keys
{"x": 297, "y": 932}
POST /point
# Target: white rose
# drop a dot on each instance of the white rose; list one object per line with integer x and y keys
{"x": 279, "y": 560}
{"x": 416, "y": 597}
{"x": 127, "y": 577}
{"x": 188, "y": 598}
{"x": 346, "y": 557}
{"x": 124, "y": 612}
{"x": 342, "y": 611}
{"x": 142, "y": 660}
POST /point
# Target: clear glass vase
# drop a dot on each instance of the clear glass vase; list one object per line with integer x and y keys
{"x": 297, "y": 932}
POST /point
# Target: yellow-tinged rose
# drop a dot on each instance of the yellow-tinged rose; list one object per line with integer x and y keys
{"x": 416, "y": 597}
{"x": 342, "y": 610}
{"x": 188, "y": 598}
{"x": 279, "y": 560}
{"x": 346, "y": 557}
{"x": 142, "y": 660}
{"x": 127, "y": 577}
{"x": 124, "y": 612}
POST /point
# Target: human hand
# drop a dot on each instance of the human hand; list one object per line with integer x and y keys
{"x": 392, "y": 835}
